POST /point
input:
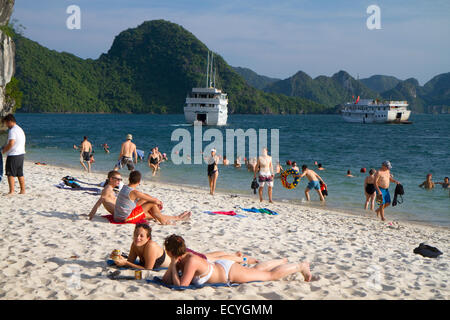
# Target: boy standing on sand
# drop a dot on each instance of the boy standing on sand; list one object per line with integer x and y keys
{"x": 314, "y": 179}
{"x": 133, "y": 205}
{"x": 382, "y": 179}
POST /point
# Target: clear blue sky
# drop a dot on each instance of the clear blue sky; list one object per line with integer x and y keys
{"x": 275, "y": 38}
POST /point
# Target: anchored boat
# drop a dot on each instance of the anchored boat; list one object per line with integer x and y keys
{"x": 376, "y": 111}
{"x": 208, "y": 105}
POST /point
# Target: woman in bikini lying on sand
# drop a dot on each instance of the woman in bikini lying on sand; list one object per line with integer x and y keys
{"x": 199, "y": 271}
{"x": 152, "y": 256}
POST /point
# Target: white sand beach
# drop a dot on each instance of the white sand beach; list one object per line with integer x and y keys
{"x": 49, "y": 250}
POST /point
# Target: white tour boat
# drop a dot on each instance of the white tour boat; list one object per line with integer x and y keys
{"x": 209, "y": 105}
{"x": 376, "y": 111}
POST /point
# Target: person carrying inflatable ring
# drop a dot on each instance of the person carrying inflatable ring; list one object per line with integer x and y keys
{"x": 287, "y": 173}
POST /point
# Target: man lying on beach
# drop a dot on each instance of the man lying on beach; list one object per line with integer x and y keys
{"x": 133, "y": 205}
{"x": 314, "y": 179}
{"x": 108, "y": 196}
{"x": 152, "y": 256}
{"x": 127, "y": 152}
{"x": 199, "y": 271}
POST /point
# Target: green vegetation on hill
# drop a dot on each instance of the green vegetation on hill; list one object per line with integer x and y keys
{"x": 329, "y": 91}
{"x": 254, "y": 79}
{"x": 380, "y": 83}
{"x": 148, "y": 69}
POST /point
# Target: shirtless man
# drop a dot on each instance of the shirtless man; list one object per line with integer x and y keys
{"x": 133, "y": 205}
{"x": 314, "y": 179}
{"x": 428, "y": 183}
{"x": 85, "y": 154}
{"x": 108, "y": 197}
{"x": 444, "y": 184}
{"x": 382, "y": 179}
{"x": 265, "y": 168}
{"x": 127, "y": 151}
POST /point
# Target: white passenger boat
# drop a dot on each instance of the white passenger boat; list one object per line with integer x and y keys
{"x": 376, "y": 111}
{"x": 209, "y": 105}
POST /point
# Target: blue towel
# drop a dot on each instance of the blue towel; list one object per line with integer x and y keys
{"x": 140, "y": 153}
{"x": 112, "y": 264}
{"x": 158, "y": 280}
{"x": 262, "y": 210}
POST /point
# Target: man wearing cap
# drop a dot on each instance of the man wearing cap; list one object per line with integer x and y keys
{"x": 127, "y": 152}
{"x": 382, "y": 179}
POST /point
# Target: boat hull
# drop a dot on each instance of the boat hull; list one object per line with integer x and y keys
{"x": 385, "y": 117}
{"x": 216, "y": 116}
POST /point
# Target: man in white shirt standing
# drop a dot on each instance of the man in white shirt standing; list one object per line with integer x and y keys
{"x": 15, "y": 151}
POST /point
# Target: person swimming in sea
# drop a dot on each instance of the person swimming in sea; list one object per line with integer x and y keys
{"x": 428, "y": 183}
{"x": 349, "y": 174}
{"x": 369, "y": 190}
{"x": 444, "y": 184}
{"x": 197, "y": 271}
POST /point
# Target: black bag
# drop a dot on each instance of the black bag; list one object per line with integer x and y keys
{"x": 255, "y": 185}
{"x": 427, "y": 251}
{"x": 70, "y": 181}
{"x": 399, "y": 191}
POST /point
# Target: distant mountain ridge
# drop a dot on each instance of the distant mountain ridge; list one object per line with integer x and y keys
{"x": 254, "y": 79}
{"x": 433, "y": 97}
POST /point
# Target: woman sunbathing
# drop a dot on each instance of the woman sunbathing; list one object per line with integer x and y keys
{"x": 199, "y": 271}
{"x": 152, "y": 256}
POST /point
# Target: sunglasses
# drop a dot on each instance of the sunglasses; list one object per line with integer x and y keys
{"x": 119, "y": 179}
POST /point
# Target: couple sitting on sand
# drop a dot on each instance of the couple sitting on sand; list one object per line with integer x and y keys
{"x": 197, "y": 268}
{"x": 131, "y": 205}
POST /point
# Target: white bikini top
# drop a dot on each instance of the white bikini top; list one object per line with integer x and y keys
{"x": 202, "y": 279}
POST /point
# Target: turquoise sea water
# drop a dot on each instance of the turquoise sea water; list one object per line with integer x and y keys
{"x": 414, "y": 150}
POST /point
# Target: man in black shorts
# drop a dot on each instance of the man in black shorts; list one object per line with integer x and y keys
{"x": 15, "y": 151}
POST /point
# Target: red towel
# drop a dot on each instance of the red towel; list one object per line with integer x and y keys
{"x": 111, "y": 220}
{"x": 227, "y": 213}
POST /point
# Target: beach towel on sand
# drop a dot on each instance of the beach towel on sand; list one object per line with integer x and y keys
{"x": 111, "y": 263}
{"x": 1, "y": 167}
{"x": 262, "y": 210}
{"x": 110, "y": 218}
{"x": 226, "y": 213}
{"x": 158, "y": 280}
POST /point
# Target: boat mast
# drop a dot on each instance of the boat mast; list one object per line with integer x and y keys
{"x": 207, "y": 71}
{"x": 212, "y": 61}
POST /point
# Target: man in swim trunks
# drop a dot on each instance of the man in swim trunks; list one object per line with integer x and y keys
{"x": 265, "y": 168}
{"x": 108, "y": 197}
{"x": 127, "y": 152}
{"x": 133, "y": 205}
{"x": 382, "y": 179}
{"x": 85, "y": 153}
{"x": 314, "y": 179}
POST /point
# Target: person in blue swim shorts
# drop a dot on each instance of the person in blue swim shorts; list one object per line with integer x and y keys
{"x": 313, "y": 183}
{"x": 382, "y": 179}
